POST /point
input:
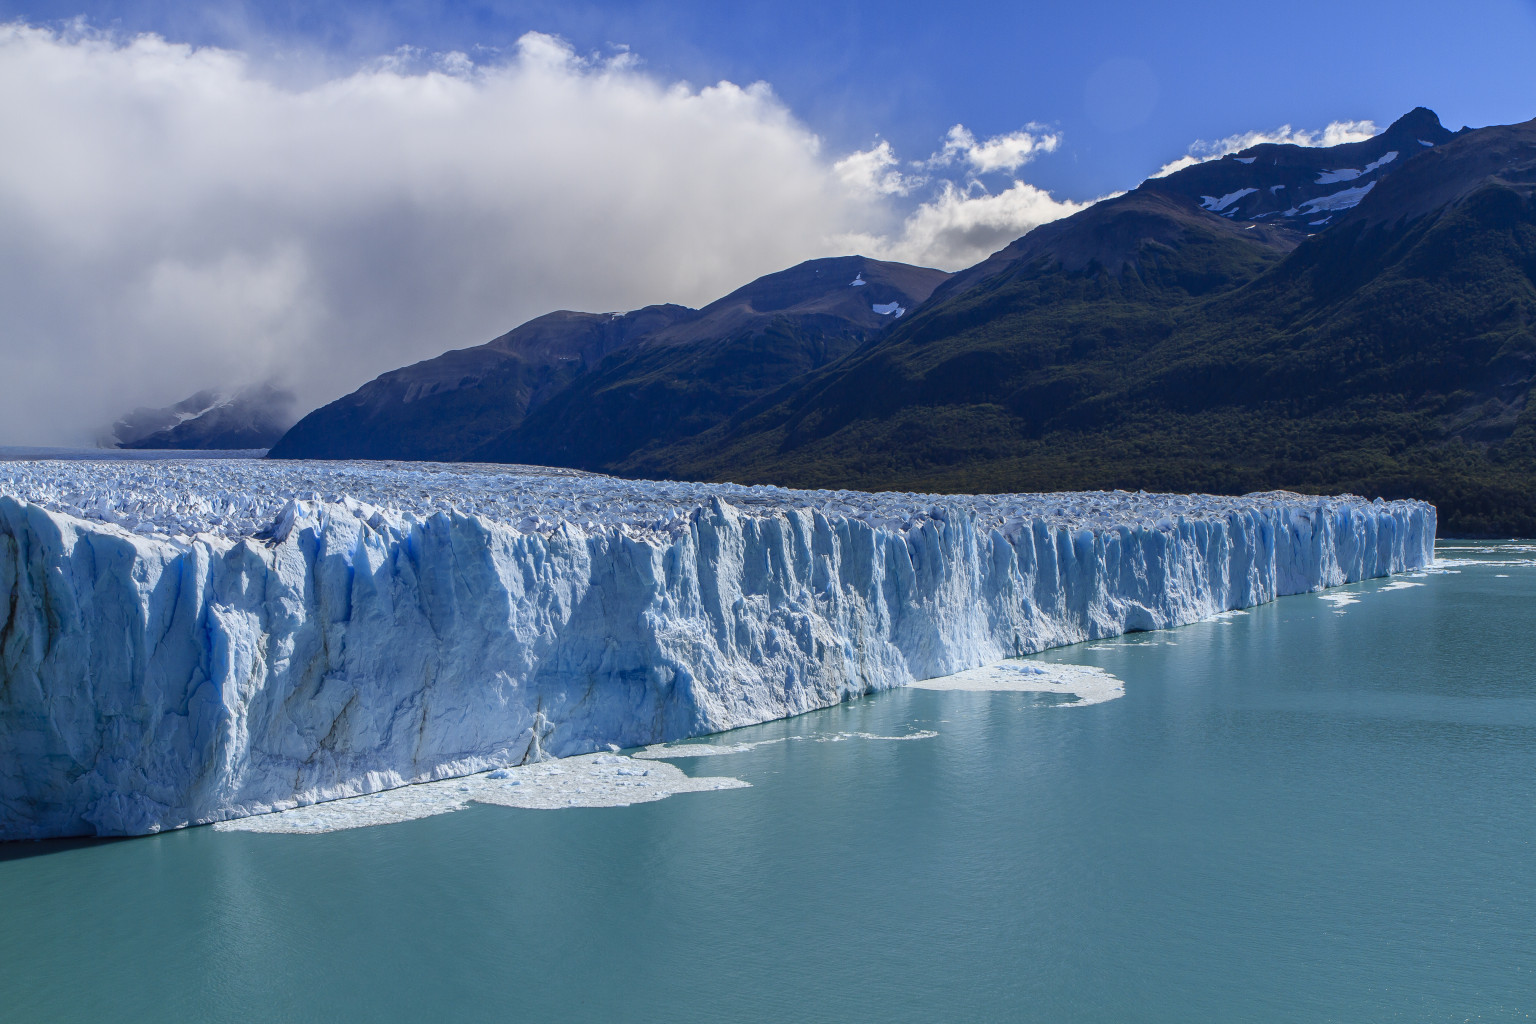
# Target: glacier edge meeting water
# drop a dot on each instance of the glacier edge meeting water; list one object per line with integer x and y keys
{"x": 154, "y": 679}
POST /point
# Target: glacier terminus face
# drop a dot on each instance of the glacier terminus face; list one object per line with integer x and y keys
{"x": 188, "y": 641}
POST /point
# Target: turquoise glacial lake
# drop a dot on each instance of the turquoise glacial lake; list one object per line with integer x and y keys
{"x": 1318, "y": 811}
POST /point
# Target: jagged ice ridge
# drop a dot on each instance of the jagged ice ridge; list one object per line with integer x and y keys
{"x": 192, "y": 641}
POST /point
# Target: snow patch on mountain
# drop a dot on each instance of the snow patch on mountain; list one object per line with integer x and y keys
{"x": 1341, "y": 200}
{"x": 887, "y": 308}
{"x": 1217, "y": 204}
{"x": 1381, "y": 161}
{"x": 1332, "y": 177}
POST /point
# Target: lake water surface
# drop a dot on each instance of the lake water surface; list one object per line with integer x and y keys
{"x": 1319, "y": 810}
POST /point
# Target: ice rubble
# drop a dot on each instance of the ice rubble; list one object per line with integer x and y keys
{"x": 189, "y": 641}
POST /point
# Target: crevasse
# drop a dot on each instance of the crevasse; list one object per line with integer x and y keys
{"x": 151, "y": 682}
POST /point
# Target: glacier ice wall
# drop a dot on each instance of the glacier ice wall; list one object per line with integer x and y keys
{"x": 151, "y": 678}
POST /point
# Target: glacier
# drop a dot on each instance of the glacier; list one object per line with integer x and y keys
{"x": 190, "y": 641}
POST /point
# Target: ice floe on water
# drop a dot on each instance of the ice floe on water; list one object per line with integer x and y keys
{"x": 590, "y": 780}
{"x": 1340, "y": 599}
{"x": 675, "y": 751}
{"x": 1089, "y": 684}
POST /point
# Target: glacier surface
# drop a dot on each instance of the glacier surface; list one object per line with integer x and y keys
{"x": 190, "y": 641}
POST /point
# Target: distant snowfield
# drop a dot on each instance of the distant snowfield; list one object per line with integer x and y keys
{"x": 196, "y": 640}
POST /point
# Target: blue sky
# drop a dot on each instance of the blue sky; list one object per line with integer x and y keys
{"x": 1129, "y": 86}
{"x": 212, "y": 195}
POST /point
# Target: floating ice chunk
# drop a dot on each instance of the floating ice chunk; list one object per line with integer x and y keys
{"x": 600, "y": 780}
{"x": 674, "y": 751}
{"x": 1089, "y": 684}
{"x": 843, "y": 737}
{"x": 887, "y": 308}
{"x": 1217, "y": 204}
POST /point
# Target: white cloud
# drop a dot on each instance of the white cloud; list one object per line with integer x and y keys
{"x": 873, "y": 171}
{"x": 1335, "y": 134}
{"x": 999, "y": 153}
{"x": 171, "y": 220}
{"x": 960, "y": 227}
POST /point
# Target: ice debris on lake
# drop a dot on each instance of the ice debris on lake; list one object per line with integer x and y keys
{"x": 1086, "y": 683}
{"x": 675, "y": 751}
{"x": 188, "y": 641}
{"x": 590, "y": 780}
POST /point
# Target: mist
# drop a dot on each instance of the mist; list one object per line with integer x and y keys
{"x": 171, "y": 220}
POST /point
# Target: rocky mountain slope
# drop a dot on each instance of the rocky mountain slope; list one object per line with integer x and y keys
{"x": 1153, "y": 342}
{"x": 1357, "y": 317}
{"x": 255, "y": 417}
{"x": 596, "y": 386}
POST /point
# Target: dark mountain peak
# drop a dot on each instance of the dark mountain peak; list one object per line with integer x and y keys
{"x": 566, "y": 335}
{"x": 766, "y": 331}
{"x": 1420, "y": 124}
{"x": 1275, "y": 192}
{"x": 1304, "y": 187}
{"x": 858, "y": 292}
{"x": 254, "y": 417}
{"x": 1441, "y": 177}
{"x": 1115, "y": 233}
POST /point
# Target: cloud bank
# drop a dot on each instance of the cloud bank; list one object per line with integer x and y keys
{"x": 172, "y": 220}
{"x": 1335, "y": 134}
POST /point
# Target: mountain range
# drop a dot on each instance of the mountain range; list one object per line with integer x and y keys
{"x": 253, "y": 417}
{"x": 1357, "y": 317}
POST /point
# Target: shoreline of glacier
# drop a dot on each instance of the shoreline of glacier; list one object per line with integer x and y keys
{"x": 154, "y": 675}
